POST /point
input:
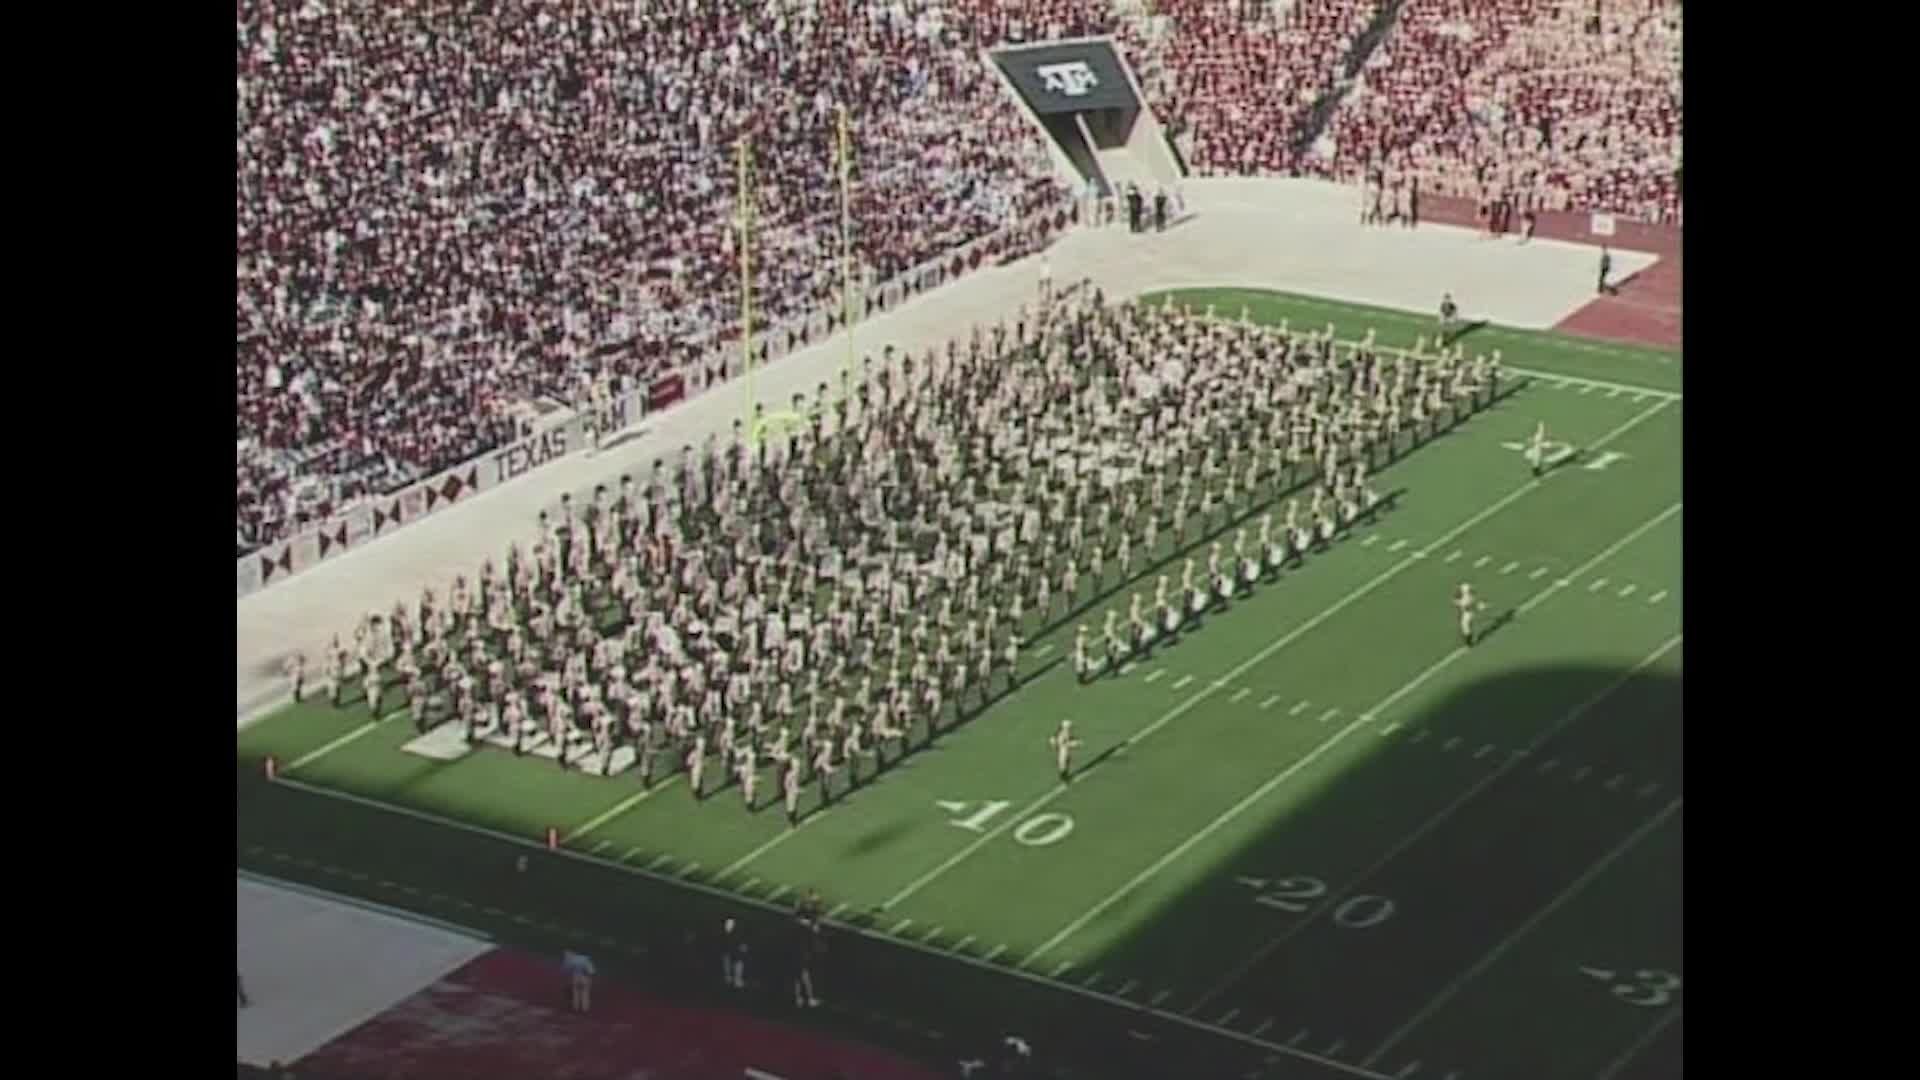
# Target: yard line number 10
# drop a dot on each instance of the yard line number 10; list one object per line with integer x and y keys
{"x": 1039, "y": 830}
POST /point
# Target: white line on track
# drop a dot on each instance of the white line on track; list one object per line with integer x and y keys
{"x": 616, "y": 810}
{"x": 1258, "y": 658}
{"x": 776, "y": 841}
{"x": 315, "y": 755}
{"x": 1645, "y": 1040}
{"x": 1494, "y": 954}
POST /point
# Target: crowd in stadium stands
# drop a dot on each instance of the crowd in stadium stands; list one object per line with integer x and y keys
{"x": 447, "y": 209}
{"x": 1241, "y": 85}
{"x": 1540, "y": 104}
{"x": 445, "y": 212}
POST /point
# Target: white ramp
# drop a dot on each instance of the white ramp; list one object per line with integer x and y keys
{"x": 317, "y": 966}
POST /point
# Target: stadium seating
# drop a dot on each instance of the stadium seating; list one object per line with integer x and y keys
{"x": 447, "y": 209}
{"x": 1535, "y": 101}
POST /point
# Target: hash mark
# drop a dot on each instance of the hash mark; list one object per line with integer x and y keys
{"x": 899, "y": 926}
{"x": 778, "y": 893}
{"x": 1598, "y": 584}
{"x": 1652, "y": 786}
{"x": 1227, "y": 1019}
{"x": 1510, "y": 568}
{"x": 931, "y": 934}
{"x": 1298, "y": 1037}
{"x": 837, "y": 909}
{"x": 599, "y": 847}
{"x": 692, "y": 867}
{"x": 997, "y": 950}
{"x": 1268, "y": 704}
{"x": 748, "y": 885}
{"x": 1483, "y": 751}
{"x": 1298, "y": 709}
{"x": 1126, "y": 986}
{"x": 1451, "y": 743}
{"x": 1614, "y": 392}
{"x": 961, "y": 945}
{"x": 1061, "y": 970}
{"x": 631, "y": 852}
{"x": 1127, "y": 668}
{"x": 1161, "y": 996}
{"x": 1397, "y": 545}
{"x": 1392, "y": 726}
{"x": 1628, "y": 591}
{"x": 657, "y": 860}
{"x": 1328, "y": 715}
{"x": 1370, "y": 540}
{"x": 1335, "y": 1048}
{"x": 1182, "y": 681}
{"x": 1264, "y": 1025}
{"x": 1044, "y": 649}
{"x": 1240, "y": 694}
{"x": 1456, "y": 555}
{"x": 1155, "y": 675}
{"x": 1538, "y": 573}
{"x": 1657, "y": 597}
{"x": 1412, "y": 1067}
{"x": 1581, "y": 773}
{"x": 1482, "y": 561}
{"x": 1585, "y": 388}
{"x": 1091, "y": 979}
{"x": 1418, "y": 734}
{"x": 1549, "y": 765}
{"x": 1614, "y": 784}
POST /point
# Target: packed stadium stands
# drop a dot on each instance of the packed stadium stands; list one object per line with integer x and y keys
{"x": 449, "y": 212}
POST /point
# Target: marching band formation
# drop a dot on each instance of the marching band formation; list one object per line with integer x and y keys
{"x": 815, "y": 606}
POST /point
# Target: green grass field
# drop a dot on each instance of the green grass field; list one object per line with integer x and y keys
{"x": 1317, "y": 838}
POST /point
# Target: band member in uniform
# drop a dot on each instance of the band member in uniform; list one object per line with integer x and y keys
{"x": 1063, "y": 744}
{"x": 1468, "y": 606}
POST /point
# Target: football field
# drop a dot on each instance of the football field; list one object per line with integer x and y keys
{"x": 1315, "y": 837}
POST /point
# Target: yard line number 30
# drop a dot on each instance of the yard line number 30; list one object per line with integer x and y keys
{"x": 1299, "y": 893}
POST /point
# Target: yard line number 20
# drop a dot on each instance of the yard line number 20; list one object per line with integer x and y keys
{"x": 1039, "y": 830}
{"x": 1299, "y": 893}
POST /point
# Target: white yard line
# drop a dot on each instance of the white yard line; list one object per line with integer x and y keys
{"x": 1639, "y": 1044}
{"x": 1493, "y": 955}
{"x": 315, "y": 755}
{"x": 778, "y": 839}
{"x": 1260, "y": 657}
{"x": 616, "y": 810}
{"x": 1435, "y": 821}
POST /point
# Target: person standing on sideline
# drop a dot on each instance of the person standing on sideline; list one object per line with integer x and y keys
{"x": 240, "y": 984}
{"x": 1046, "y": 278}
{"x": 1606, "y": 267}
{"x": 579, "y": 978}
{"x": 1160, "y": 210}
{"x": 1448, "y": 311}
{"x": 733, "y": 956}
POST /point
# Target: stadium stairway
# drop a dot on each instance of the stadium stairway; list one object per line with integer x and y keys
{"x": 1356, "y": 58}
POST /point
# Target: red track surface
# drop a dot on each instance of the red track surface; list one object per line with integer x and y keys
{"x": 504, "y": 1016}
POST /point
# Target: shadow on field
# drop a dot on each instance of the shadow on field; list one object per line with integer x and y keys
{"x": 1309, "y": 947}
{"x": 1358, "y": 902}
